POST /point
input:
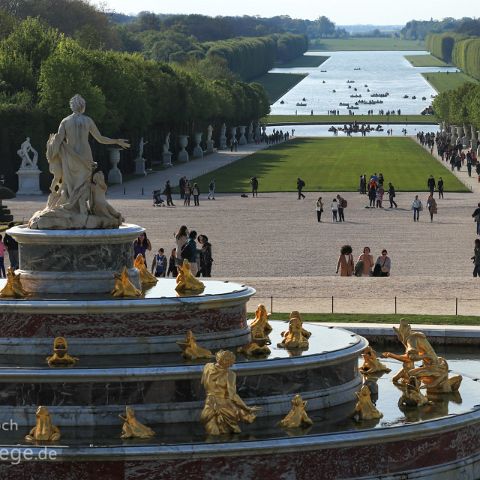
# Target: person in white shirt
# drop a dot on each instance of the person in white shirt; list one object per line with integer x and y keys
{"x": 417, "y": 208}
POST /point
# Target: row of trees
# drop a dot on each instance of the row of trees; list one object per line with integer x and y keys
{"x": 419, "y": 30}
{"x": 127, "y": 95}
{"x": 458, "y": 49}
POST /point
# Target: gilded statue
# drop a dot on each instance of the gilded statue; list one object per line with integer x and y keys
{"x": 260, "y": 328}
{"x": 146, "y": 278}
{"x": 13, "y": 288}
{"x": 253, "y": 349}
{"x": 61, "y": 357}
{"x": 296, "y": 336}
{"x": 412, "y": 397}
{"x": 371, "y": 364}
{"x": 191, "y": 350}
{"x": 123, "y": 287}
{"x": 297, "y": 416}
{"x": 224, "y": 408}
{"x": 132, "y": 428}
{"x": 433, "y": 373}
{"x": 44, "y": 430}
{"x": 365, "y": 409}
{"x": 186, "y": 282}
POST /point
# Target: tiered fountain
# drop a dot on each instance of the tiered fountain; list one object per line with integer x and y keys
{"x": 128, "y": 355}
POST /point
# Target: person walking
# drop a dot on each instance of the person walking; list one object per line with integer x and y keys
{"x": 372, "y": 194}
{"x": 254, "y": 185}
{"x": 334, "y": 210}
{"x": 345, "y": 261}
{"x": 391, "y": 195}
{"x": 417, "y": 208}
{"x": 342, "y": 205}
{"x": 475, "y": 215}
{"x": 431, "y": 184}
{"x": 432, "y": 206}
{"x": 168, "y": 193}
{"x": 319, "y": 209}
{"x": 476, "y": 258}
{"x": 206, "y": 259}
{"x": 159, "y": 264}
{"x": 2, "y": 259}
{"x": 300, "y": 185}
{"x": 172, "y": 264}
{"x": 181, "y": 187}
{"x": 211, "y": 189}
{"x": 440, "y": 187}
{"x": 469, "y": 164}
{"x": 383, "y": 265}
{"x": 380, "y": 192}
{"x": 196, "y": 195}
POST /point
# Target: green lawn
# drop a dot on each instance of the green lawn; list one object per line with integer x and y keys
{"x": 333, "y": 164}
{"x": 443, "y": 81}
{"x": 308, "y": 61}
{"x": 425, "y": 61}
{"x": 331, "y": 119}
{"x": 366, "y": 43}
{"x": 277, "y": 84}
{"x": 383, "y": 318}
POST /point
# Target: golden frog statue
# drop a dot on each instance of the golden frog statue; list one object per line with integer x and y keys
{"x": 433, "y": 373}
{"x": 60, "y": 357}
{"x": 132, "y": 428}
{"x": 224, "y": 408}
{"x": 253, "y": 349}
{"x": 44, "y": 430}
{"x": 146, "y": 278}
{"x": 296, "y": 336}
{"x": 371, "y": 364}
{"x": 260, "y": 328}
{"x": 365, "y": 409}
{"x": 412, "y": 397}
{"x": 13, "y": 287}
{"x": 186, "y": 282}
{"x": 297, "y": 417}
{"x": 191, "y": 350}
{"x": 123, "y": 287}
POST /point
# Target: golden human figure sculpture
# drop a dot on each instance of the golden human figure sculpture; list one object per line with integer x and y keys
{"x": 224, "y": 408}
{"x": 365, "y": 409}
{"x": 296, "y": 336}
{"x": 191, "y": 350}
{"x": 433, "y": 373}
{"x": 297, "y": 416}
{"x": 253, "y": 349}
{"x": 132, "y": 428}
{"x": 60, "y": 357}
{"x": 44, "y": 430}
{"x": 186, "y": 282}
{"x": 412, "y": 397}
{"x": 146, "y": 278}
{"x": 123, "y": 287}
{"x": 13, "y": 287}
{"x": 260, "y": 328}
{"x": 371, "y": 364}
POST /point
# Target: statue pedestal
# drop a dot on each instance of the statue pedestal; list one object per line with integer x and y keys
{"x": 140, "y": 166}
{"x": 243, "y": 139}
{"x": 210, "y": 146}
{"x": 115, "y": 175}
{"x": 182, "y": 156}
{"x": 198, "y": 151}
{"x": 29, "y": 181}
{"x": 167, "y": 159}
{"x": 223, "y": 142}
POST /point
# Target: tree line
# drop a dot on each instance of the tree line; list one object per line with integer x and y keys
{"x": 420, "y": 29}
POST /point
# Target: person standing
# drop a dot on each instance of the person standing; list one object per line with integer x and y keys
{"x": 12, "y": 248}
{"x": 440, "y": 187}
{"x": 141, "y": 245}
{"x": 159, "y": 264}
{"x": 417, "y": 208}
{"x": 432, "y": 206}
{"x": 188, "y": 194}
{"x": 254, "y": 185}
{"x": 181, "y": 186}
{"x": 206, "y": 259}
{"x": 2, "y": 259}
{"x": 475, "y": 215}
{"x": 431, "y": 184}
{"x": 172, "y": 264}
{"x": 319, "y": 209}
{"x": 380, "y": 192}
{"x": 211, "y": 189}
{"x": 391, "y": 195}
{"x": 469, "y": 164}
{"x": 300, "y": 185}
{"x": 181, "y": 238}
{"x": 168, "y": 193}
{"x": 196, "y": 195}
{"x": 189, "y": 252}
{"x": 367, "y": 262}
{"x": 342, "y": 204}
{"x": 334, "y": 210}
{"x": 372, "y": 194}
{"x": 345, "y": 261}
{"x": 476, "y": 258}
{"x": 383, "y": 265}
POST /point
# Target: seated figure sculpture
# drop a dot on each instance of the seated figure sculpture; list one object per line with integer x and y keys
{"x": 433, "y": 373}
{"x": 44, "y": 430}
{"x": 191, "y": 350}
{"x": 61, "y": 357}
{"x": 412, "y": 397}
{"x": 186, "y": 282}
{"x": 146, "y": 278}
{"x": 296, "y": 337}
{"x": 260, "y": 327}
{"x": 364, "y": 408}
{"x": 224, "y": 408}
{"x": 371, "y": 364}
{"x": 123, "y": 287}
{"x": 132, "y": 428}
{"x": 297, "y": 417}
{"x": 13, "y": 288}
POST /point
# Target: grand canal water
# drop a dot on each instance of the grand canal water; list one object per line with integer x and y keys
{"x": 382, "y": 72}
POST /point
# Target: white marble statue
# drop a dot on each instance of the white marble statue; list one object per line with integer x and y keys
{"x": 141, "y": 146}
{"x": 70, "y": 203}
{"x": 28, "y": 155}
{"x": 166, "y": 145}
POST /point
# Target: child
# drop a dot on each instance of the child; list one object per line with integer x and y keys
{"x": 159, "y": 264}
{"x": 334, "y": 210}
{"x": 2, "y": 259}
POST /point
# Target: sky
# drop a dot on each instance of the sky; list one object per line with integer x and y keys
{"x": 342, "y": 12}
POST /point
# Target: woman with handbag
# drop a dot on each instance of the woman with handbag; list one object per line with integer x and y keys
{"x": 382, "y": 265}
{"x": 432, "y": 206}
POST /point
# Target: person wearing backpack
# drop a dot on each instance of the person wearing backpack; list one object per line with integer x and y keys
{"x": 159, "y": 264}
{"x": 342, "y": 204}
{"x": 300, "y": 185}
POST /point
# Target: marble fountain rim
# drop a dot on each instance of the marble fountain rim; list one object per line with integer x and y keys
{"x": 25, "y": 235}
{"x": 349, "y": 438}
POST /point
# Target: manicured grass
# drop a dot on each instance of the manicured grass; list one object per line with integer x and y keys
{"x": 309, "y": 61}
{"x": 331, "y": 119}
{"x": 425, "y": 61}
{"x": 333, "y": 164}
{"x": 366, "y": 43}
{"x": 277, "y": 84}
{"x": 443, "y": 81}
{"x": 382, "y": 318}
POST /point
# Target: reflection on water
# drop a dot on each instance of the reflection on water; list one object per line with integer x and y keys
{"x": 379, "y": 72}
